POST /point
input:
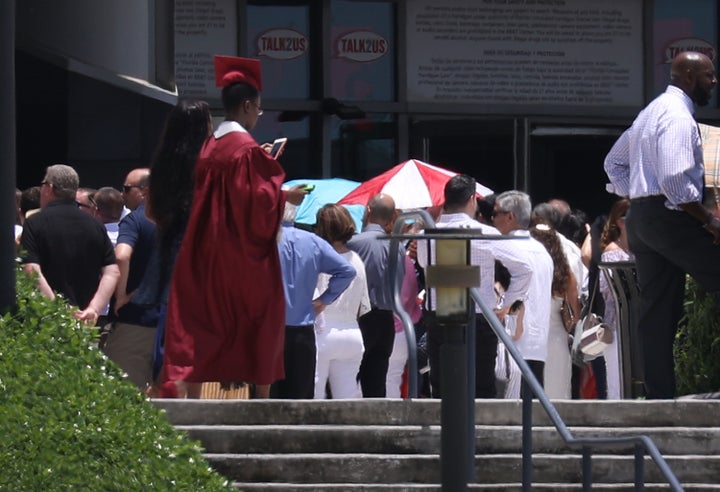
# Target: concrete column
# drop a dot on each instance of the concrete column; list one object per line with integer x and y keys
{"x": 7, "y": 155}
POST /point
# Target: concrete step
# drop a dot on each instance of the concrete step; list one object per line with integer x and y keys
{"x": 425, "y": 469}
{"x": 414, "y": 487}
{"x": 407, "y": 439}
{"x": 393, "y": 445}
{"x": 583, "y": 413}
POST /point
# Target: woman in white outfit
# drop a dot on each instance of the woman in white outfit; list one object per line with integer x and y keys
{"x": 339, "y": 341}
{"x": 558, "y": 366}
{"x": 615, "y": 248}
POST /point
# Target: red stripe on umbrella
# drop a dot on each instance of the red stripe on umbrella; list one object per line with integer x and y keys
{"x": 412, "y": 184}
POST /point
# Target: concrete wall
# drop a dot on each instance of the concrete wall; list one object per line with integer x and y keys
{"x": 113, "y": 34}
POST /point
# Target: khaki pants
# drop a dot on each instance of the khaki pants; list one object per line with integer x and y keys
{"x": 131, "y": 348}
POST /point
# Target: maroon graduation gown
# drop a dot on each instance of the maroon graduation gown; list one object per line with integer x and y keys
{"x": 226, "y": 310}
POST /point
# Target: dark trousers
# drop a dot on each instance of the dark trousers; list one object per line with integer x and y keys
{"x": 538, "y": 369}
{"x": 485, "y": 354}
{"x": 300, "y": 357}
{"x": 378, "y": 333}
{"x": 667, "y": 244}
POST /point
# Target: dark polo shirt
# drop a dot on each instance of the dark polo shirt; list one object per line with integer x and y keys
{"x": 71, "y": 248}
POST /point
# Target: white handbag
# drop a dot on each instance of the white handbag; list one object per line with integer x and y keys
{"x": 591, "y": 335}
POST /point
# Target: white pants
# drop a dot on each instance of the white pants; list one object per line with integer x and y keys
{"x": 612, "y": 368}
{"x": 508, "y": 372}
{"x": 339, "y": 352}
{"x": 396, "y": 366}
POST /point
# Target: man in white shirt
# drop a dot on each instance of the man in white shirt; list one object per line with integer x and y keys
{"x": 458, "y": 210}
{"x": 658, "y": 164}
{"x": 511, "y": 216}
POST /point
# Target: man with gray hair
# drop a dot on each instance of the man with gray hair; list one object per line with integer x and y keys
{"x": 68, "y": 249}
{"x": 303, "y": 257}
{"x": 511, "y": 216}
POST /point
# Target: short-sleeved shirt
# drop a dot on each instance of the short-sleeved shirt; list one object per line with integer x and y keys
{"x": 71, "y": 248}
{"x": 137, "y": 231}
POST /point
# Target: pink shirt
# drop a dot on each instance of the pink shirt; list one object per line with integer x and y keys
{"x": 409, "y": 295}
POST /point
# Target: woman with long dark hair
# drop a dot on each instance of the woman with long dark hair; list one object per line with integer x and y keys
{"x": 171, "y": 192}
{"x": 558, "y": 366}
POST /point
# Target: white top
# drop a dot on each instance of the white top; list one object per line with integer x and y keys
{"x": 660, "y": 154}
{"x": 612, "y": 255}
{"x": 352, "y": 303}
{"x": 574, "y": 258}
{"x": 483, "y": 253}
{"x": 536, "y": 322}
{"x": 18, "y": 231}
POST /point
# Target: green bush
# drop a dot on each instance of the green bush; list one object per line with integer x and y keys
{"x": 697, "y": 343}
{"x": 67, "y": 421}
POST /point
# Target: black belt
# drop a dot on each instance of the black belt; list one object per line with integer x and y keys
{"x": 649, "y": 199}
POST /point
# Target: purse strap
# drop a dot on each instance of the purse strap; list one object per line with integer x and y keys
{"x": 588, "y": 307}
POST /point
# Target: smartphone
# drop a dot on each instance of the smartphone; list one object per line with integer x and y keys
{"x": 277, "y": 146}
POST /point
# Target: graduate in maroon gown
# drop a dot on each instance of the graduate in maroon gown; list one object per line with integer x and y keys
{"x": 226, "y": 311}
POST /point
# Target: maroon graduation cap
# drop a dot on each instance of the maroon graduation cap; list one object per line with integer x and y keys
{"x": 232, "y": 69}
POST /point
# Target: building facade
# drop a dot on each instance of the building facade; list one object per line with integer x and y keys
{"x": 526, "y": 94}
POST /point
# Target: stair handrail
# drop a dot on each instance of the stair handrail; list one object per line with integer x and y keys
{"x": 397, "y": 279}
{"x": 643, "y": 444}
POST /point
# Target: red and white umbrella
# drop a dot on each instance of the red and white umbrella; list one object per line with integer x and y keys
{"x": 412, "y": 184}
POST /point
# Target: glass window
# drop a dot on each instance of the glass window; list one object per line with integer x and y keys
{"x": 279, "y": 37}
{"x": 682, "y": 26}
{"x": 362, "y": 64}
{"x": 362, "y": 149}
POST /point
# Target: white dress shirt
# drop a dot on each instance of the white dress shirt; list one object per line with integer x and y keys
{"x": 483, "y": 253}
{"x": 536, "y": 322}
{"x": 660, "y": 154}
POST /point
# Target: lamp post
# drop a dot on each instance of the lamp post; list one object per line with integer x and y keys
{"x": 451, "y": 276}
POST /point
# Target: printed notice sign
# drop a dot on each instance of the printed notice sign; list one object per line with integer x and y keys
{"x": 520, "y": 52}
{"x": 203, "y": 28}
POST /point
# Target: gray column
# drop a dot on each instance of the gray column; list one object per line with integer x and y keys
{"x": 7, "y": 155}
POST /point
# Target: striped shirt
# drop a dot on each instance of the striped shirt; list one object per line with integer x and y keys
{"x": 660, "y": 154}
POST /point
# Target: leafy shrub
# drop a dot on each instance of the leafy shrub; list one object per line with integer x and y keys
{"x": 67, "y": 421}
{"x": 697, "y": 343}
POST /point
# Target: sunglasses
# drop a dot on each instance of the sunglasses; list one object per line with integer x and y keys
{"x": 127, "y": 188}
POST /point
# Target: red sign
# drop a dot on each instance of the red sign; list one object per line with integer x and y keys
{"x": 282, "y": 44}
{"x": 689, "y": 44}
{"x": 361, "y": 46}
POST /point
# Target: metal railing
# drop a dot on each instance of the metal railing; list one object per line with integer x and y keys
{"x": 643, "y": 444}
{"x": 621, "y": 277}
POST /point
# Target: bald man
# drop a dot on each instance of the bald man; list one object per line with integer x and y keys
{"x": 377, "y": 326}
{"x": 658, "y": 164}
{"x": 135, "y": 187}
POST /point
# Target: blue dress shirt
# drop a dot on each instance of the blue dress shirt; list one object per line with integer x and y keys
{"x": 304, "y": 255}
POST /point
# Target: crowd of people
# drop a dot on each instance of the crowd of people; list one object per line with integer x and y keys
{"x": 195, "y": 272}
